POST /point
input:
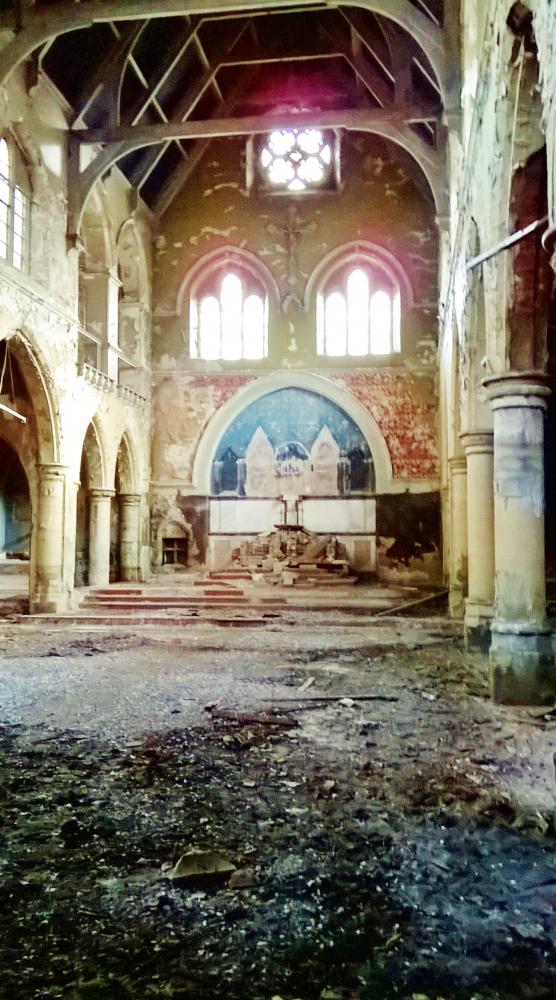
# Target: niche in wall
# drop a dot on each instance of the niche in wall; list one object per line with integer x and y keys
{"x": 293, "y": 454}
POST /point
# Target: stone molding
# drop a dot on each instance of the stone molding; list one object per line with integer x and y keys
{"x": 522, "y": 390}
{"x": 478, "y": 442}
{"x": 101, "y": 494}
{"x": 130, "y": 499}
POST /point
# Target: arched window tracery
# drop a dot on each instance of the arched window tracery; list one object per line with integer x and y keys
{"x": 359, "y": 310}
{"x": 229, "y": 315}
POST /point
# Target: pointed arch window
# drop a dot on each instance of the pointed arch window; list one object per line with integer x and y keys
{"x": 14, "y": 208}
{"x": 229, "y": 316}
{"x": 359, "y": 311}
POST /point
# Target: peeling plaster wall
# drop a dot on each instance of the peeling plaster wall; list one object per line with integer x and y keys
{"x": 381, "y": 204}
{"x": 39, "y": 316}
{"x": 405, "y": 408}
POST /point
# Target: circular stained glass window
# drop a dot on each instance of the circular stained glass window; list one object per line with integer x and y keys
{"x": 296, "y": 159}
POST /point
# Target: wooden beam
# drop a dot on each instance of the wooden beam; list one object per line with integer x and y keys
{"x": 350, "y": 118}
{"x": 184, "y": 170}
{"x": 41, "y": 24}
{"x": 108, "y": 72}
{"x": 431, "y": 162}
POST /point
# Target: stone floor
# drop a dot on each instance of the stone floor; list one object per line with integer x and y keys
{"x": 392, "y": 830}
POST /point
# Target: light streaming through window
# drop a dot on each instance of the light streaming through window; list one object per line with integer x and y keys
{"x": 296, "y": 159}
{"x": 359, "y": 314}
{"x": 13, "y": 207}
{"x": 229, "y": 323}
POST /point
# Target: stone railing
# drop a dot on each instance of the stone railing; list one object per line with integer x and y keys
{"x": 106, "y": 384}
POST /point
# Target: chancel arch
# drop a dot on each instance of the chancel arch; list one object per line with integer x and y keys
{"x": 292, "y": 456}
{"x": 202, "y": 465}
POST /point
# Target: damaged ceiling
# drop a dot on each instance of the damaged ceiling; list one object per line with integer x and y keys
{"x": 149, "y": 74}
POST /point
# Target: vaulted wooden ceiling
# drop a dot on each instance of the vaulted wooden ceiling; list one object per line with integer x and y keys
{"x": 149, "y": 87}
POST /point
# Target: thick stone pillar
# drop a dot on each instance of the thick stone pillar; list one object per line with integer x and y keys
{"x": 130, "y": 536}
{"x": 99, "y": 537}
{"x": 522, "y": 665}
{"x": 48, "y": 591}
{"x": 458, "y": 536}
{"x": 479, "y": 608}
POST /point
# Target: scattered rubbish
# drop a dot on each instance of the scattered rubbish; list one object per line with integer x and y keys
{"x": 202, "y": 869}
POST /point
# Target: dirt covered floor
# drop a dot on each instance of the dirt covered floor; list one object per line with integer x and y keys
{"x": 392, "y": 840}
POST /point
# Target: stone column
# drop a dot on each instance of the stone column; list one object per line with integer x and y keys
{"x": 99, "y": 537}
{"x": 522, "y": 663}
{"x": 130, "y": 536}
{"x": 48, "y": 590}
{"x": 458, "y": 536}
{"x": 479, "y": 609}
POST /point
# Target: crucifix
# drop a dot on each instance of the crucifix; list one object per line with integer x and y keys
{"x": 292, "y": 229}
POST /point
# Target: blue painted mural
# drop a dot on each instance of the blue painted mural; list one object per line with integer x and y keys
{"x": 293, "y": 441}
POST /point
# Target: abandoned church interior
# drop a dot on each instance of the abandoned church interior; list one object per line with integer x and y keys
{"x": 278, "y": 336}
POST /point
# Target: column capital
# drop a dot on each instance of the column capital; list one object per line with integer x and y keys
{"x": 99, "y": 494}
{"x": 130, "y": 498}
{"x": 52, "y": 470}
{"x": 520, "y": 390}
{"x": 478, "y": 442}
{"x": 458, "y": 464}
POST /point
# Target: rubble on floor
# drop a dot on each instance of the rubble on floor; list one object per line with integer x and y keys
{"x": 307, "y": 817}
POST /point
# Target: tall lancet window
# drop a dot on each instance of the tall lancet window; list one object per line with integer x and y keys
{"x": 359, "y": 311}
{"x": 228, "y": 319}
{"x": 14, "y": 204}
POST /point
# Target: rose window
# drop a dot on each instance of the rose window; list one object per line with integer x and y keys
{"x": 296, "y": 159}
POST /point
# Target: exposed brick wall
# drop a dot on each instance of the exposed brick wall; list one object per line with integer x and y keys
{"x": 404, "y": 406}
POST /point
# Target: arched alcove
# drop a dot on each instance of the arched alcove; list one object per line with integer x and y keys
{"x": 125, "y": 515}
{"x": 91, "y": 477}
{"x": 299, "y": 459}
{"x": 322, "y": 386}
{"x": 15, "y": 525}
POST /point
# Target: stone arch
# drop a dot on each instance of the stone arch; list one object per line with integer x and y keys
{"x": 96, "y": 235}
{"x": 227, "y": 254}
{"x": 133, "y": 263}
{"x": 208, "y": 444}
{"x": 352, "y": 251}
{"x": 94, "y": 449}
{"x": 40, "y": 406}
{"x": 126, "y": 469}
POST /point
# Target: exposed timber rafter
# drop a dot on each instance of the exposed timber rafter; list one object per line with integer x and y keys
{"x": 350, "y": 118}
{"x": 108, "y": 74}
{"x": 194, "y": 156}
{"x": 38, "y": 25}
{"x": 190, "y": 98}
{"x": 389, "y": 124}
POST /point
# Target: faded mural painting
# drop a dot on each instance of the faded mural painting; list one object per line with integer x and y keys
{"x": 293, "y": 442}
